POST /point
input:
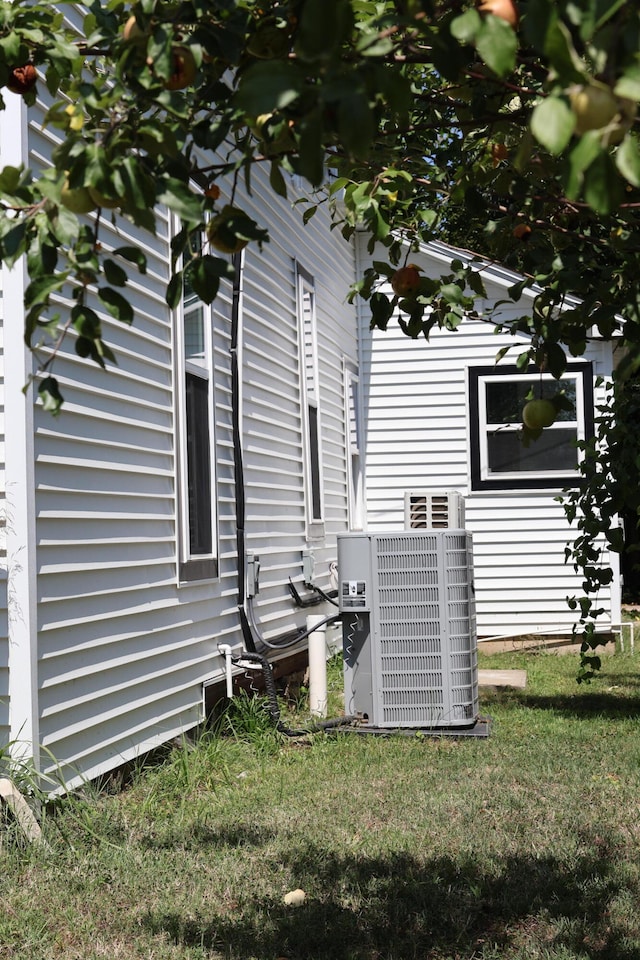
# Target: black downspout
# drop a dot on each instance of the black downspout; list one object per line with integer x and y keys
{"x": 238, "y": 469}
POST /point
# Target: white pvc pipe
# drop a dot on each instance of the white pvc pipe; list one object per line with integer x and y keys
{"x": 317, "y": 666}
{"x": 225, "y": 650}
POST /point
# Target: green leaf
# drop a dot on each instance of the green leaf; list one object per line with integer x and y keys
{"x": 556, "y": 359}
{"x": 553, "y": 123}
{"x": 497, "y": 44}
{"x": 117, "y": 305}
{"x": 86, "y": 321}
{"x": 173, "y": 295}
{"x": 311, "y": 149}
{"x": 628, "y": 160}
{"x": 381, "y": 310}
{"x": 133, "y": 255}
{"x": 451, "y": 293}
{"x": 356, "y": 124}
{"x": 10, "y": 179}
{"x": 602, "y": 187}
{"x": 65, "y": 226}
{"x": 40, "y": 289}
{"x": 562, "y": 54}
{"x": 466, "y": 27}
{"x": 474, "y": 279}
{"x": 13, "y": 240}
{"x": 177, "y": 196}
{"x": 205, "y": 273}
{"x": 628, "y": 85}
{"x": 309, "y": 213}
{"x": 269, "y": 86}
{"x": 114, "y": 273}
{"x": 49, "y": 393}
{"x": 322, "y": 26}
{"x": 580, "y": 158}
{"x": 276, "y": 180}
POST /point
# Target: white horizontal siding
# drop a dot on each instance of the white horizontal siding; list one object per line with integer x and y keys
{"x": 122, "y": 650}
{"x": 3, "y": 505}
{"x": 5, "y": 730}
{"x": 272, "y": 401}
{"x": 416, "y": 410}
{"x": 5, "y": 692}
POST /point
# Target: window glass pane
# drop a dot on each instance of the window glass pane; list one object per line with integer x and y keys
{"x": 316, "y": 501}
{"x": 506, "y": 398}
{"x": 198, "y": 465}
{"x": 194, "y": 333}
{"x": 553, "y": 450}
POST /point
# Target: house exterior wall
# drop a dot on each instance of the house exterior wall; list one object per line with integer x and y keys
{"x": 418, "y": 438}
{"x": 119, "y": 648}
{"x": 4, "y": 632}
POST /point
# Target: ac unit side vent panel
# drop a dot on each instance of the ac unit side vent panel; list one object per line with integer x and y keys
{"x": 415, "y": 660}
{"x": 434, "y": 510}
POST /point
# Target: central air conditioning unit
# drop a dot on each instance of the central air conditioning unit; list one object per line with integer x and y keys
{"x": 409, "y": 630}
{"x": 433, "y": 510}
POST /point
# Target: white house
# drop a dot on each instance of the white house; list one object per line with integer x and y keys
{"x": 133, "y": 518}
{"x": 228, "y": 447}
{"x": 442, "y": 419}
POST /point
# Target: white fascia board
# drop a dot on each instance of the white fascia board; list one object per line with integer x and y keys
{"x": 20, "y": 474}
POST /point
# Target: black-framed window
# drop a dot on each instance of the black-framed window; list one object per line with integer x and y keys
{"x": 198, "y": 559}
{"x": 311, "y": 421}
{"x": 499, "y": 460}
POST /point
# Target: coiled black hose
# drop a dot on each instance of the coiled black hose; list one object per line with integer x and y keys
{"x": 272, "y": 699}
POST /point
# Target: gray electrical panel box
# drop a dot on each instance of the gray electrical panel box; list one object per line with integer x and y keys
{"x": 409, "y": 629}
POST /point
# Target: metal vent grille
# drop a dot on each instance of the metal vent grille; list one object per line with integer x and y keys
{"x": 434, "y": 510}
{"x": 418, "y": 665}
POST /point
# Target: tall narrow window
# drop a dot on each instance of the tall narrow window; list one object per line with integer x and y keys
{"x": 310, "y": 401}
{"x": 354, "y": 452}
{"x": 196, "y": 419}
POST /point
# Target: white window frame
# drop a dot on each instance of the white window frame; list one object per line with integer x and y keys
{"x": 354, "y": 446}
{"x": 194, "y": 565}
{"x": 310, "y": 404}
{"x": 482, "y": 477}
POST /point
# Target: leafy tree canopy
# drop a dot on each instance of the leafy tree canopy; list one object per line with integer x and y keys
{"x": 508, "y": 129}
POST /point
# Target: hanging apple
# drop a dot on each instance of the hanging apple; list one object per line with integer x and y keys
{"x": 538, "y": 414}
{"x": 22, "y": 79}
{"x": 223, "y": 230}
{"x": 406, "y": 280}
{"x": 76, "y": 199}
{"x": 183, "y": 68}
{"x": 504, "y": 9}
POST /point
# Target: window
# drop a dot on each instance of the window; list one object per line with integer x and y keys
{"x": 499, "y": 459}
{"x": 306, "y": 305}
{"x": 354, "y": 452}
{"x": 195, "y": 380}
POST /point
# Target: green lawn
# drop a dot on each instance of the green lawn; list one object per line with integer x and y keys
{"x": 524, "y": 845}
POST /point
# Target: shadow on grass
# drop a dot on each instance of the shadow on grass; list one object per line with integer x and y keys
{"x": 401, "y": 908}
{"x": 583, "y": 705}
{"x": 215, "y": 839}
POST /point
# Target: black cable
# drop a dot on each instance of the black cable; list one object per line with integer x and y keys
{"x": 250, "y": 630}
{"x": 272, "y": 699}
{"x": 326, "y": 596}
{"x": 289, "y": 639}
{"x": 238, "y": 466}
